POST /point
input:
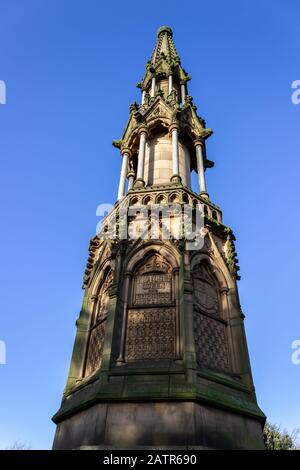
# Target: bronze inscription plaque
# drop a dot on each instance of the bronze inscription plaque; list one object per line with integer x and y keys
{"x": 152, "y": 289}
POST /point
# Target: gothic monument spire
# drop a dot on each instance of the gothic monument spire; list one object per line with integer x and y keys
{"x": 160, "y": 356}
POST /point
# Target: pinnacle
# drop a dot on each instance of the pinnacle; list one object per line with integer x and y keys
{"x": 164, "y": 46}
{"x": 164, "y": 29}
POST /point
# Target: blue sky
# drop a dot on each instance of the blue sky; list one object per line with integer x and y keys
{"x": 70, "y": 69}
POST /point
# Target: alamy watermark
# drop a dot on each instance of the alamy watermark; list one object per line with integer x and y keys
{"x": 295, "y": 96}
{"x": 152, "y": 222}
{"x": 2, "y": 92}
{"x": 295, "y": 357}
{"x": 2, "y": 352}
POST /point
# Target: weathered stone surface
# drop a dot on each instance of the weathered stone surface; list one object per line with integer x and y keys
{"x": 138, "y": 425}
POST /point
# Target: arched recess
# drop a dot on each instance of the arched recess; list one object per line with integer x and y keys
{"x": 210, "y": 315}
{"x": 98, "y": 323}
{"x": 151, "y": 316}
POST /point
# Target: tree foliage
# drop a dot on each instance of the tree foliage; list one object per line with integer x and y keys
{"x": 17, "y": 445}
{"x": 276, "y": 439}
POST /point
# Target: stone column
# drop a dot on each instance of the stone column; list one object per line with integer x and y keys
{"x": 139, "y": 183}
{"x": 175, "y": 153}
{"x": 183, "y": 93}
{"x": 122, "y": 184}
{"x": 224, "y": 290}
{"x": 143, "y": 97}
{"x": 130, "y": 177}
{"x": 170, "y": 84}
{"x": 178, "y": 325}
{"x": 121, "y": 358}
{"x": 200, "y": 168}
{"x": 152, "y": 87}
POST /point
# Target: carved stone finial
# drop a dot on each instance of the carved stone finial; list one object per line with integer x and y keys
{"x": 117, "y": 143}
{"x": 164, "y": 29}
{"x": 133, "y": 107}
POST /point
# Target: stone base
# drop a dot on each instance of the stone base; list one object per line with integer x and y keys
{"x": 161, "y": 425}
{"x": 176, "y": 179}
{"x": 139, "y": 183}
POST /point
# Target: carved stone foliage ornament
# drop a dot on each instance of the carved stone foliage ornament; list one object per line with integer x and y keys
{"x": 155, "y": 263}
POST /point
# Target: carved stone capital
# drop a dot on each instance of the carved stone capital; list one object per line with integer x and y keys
{"x": 126, "y": 150}
{"x": 174, "y": 125}
{"x": 143, "y": 129}
{"x": 224, "y": 290}
{"x": 128, "y": 274}
{"x": 198, "y": 141}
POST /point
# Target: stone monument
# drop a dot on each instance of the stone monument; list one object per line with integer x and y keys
{"x": 160, "y": 357}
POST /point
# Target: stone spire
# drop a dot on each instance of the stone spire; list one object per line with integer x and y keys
{"x": 165, "y": 61}
{"x": 165, "y": 47}
{"x": 164, "y": 139}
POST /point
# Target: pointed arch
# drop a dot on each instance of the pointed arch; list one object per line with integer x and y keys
{"x": 140, "y": 251}
{"x": 150, "y": 320}
{"x": 98, "y": 320}
{"x": 216, "y": 268}
{"x": 210, "y": 317}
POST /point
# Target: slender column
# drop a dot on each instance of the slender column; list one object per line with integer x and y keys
{"x": 141, "y": 157}
{"x": 225, "y": 307}
{"x": 130, "y": 177}
{"x": 122, "y": 184}
{"x": 187, "y": 316}
{"x": 152, "y": 87}
{"x": 200, "y": 168}
{"x": 143, "y": 97}
{"x": 178, "y": 326}
{"x": 170, "y": 84}
{"x": 183, "y": 93}
{"x": 175, "y": 154}
{"x": 121, "y": 358}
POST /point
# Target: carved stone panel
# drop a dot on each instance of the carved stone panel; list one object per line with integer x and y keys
{"x": 153, "y": 283}
{"x": 209, "y": 329}
{"x": 210, "y": 342}
{"x": 150, "y": 333}
{"x": 95, "y": 348}
{"x": 205, "y": 290}
{"x": 155, "y": 263}
{"x": 102, "y": 307}
{"x": 151, "y": 289}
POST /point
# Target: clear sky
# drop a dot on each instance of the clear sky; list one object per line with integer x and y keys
{"x": 70, "y": 68}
